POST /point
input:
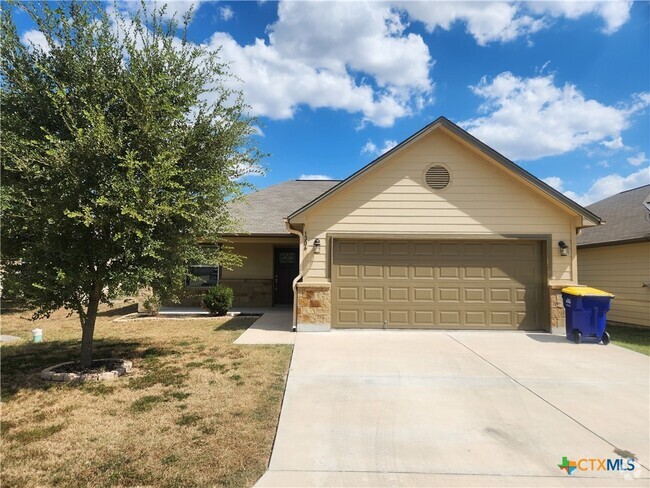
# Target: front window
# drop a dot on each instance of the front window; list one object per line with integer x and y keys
{"x": 203, "y": 276}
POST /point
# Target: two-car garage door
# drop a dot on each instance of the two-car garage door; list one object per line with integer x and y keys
{"x": 437, "y": 284}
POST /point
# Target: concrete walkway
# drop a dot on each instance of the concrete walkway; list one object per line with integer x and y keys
{"x": 274, "y": 327}
{"x": 415, "y": 408}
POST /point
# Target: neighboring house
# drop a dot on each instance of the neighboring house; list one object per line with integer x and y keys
{"x": 616, "y": 257}
{"x": 440, "y": 232}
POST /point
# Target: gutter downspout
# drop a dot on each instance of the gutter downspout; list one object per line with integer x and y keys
{"x": 294, "y": 285}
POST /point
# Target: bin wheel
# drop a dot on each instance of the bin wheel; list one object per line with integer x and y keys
{"x": 577, "y": 336}
{"x": 606, "y": 338}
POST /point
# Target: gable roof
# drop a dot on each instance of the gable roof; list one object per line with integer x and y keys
{"x": 472, "y": 141}
{"x": 628, "y": 219}
{"x": 263, "y": 212}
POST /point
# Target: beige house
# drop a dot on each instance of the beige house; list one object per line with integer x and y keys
{"x": 440, "y": 232}
{"x": 616, "y": 257}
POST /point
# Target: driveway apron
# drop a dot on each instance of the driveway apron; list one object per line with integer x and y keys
{"x": 435, "y": 408}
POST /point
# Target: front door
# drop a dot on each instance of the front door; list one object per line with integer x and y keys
{"x": 285, "y": 271}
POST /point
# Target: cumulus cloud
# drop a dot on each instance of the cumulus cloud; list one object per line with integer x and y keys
{"x": 34, "y": 38}
{"x": 613, "y": 13}
{"x": 616, "y": 143}
{"x": 638, "y": 160}
{"x": 494, "y": 21}
{"x": 530, "y": 118}
{"x": 374, "y": 150}
{"x": 226, "y": 13}
{"x": 485, "y": 21}
{"x": 348, "y": 56}
{"x": 314, "y": 177}
{"x": 173, "y": 8}
{"x": 603, "y": 187}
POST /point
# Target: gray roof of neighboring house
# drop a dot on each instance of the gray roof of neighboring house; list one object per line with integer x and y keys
{"x": 627, "y": 219}
{"x": 263, "y": 212}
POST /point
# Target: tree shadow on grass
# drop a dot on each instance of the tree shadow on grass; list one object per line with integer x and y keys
{"x": 238, "y": 324}
{"x": 118, "y": 311}
{"x": 22, "y": 363}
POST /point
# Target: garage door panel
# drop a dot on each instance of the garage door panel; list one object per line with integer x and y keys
{"x": 398, "y": 271}
{"x": 474, "y": 295}
{"x": 446, "y": 272}
{"x": 500, "y": 295}
{"x": 423, "y": 272}
{"x": 372, "y": 316}
{"x": 473, "y": 273}
{"x": 423, "y": 294}
{"x": 369, "y": 271}
{"x": 449, "y": 294}
{"x": 348, "y": 293}
{"x": 433, "y": 284}
{"x": 449, "y": 318}
{"x": 399, "y": 317}
{"x": 373, "y": 293}
{"x": 398, "y": 294}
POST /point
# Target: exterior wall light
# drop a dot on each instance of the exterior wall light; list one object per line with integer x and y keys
{"x": 316, "y": 246}
{"x": 564, "y": 249}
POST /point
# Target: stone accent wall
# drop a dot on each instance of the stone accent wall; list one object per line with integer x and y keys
{"x": 557, "y": 314}
{"x": 251, "y": 292}
{"x": 314, "y": 304}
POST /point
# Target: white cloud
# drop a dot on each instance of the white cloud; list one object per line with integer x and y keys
{"x": 35, "y": 38}
{"x": 173, "y": 8}
{"x": 314, "y": 177}
{"x": 603, "y": 187}
{"x": 501, "y": 21}
{"x": 347, "y": 56}
{"x": 554, "y": 181}
{"x": 613, "y": 13}
{"x": 372, "y": 149}
{"x": 530, "y": 118}
{"x": 603, "y": 164}
{"x": 485, "y": 21}
{"x": 616, "y": 143}
{"x": 369, "y": 148}
{"x": 226, "y": 13}
{"x": 637, "y": 160}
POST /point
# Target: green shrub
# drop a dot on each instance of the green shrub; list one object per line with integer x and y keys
{"x": 218, "y": 299}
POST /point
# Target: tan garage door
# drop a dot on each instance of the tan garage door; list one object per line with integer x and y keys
{"x": 437, "y": 284}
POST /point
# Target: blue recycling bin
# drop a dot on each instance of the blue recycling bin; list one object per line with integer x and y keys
{"x": 586, "y": 313}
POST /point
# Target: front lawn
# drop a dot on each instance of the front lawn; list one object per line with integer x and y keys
{"x": 633, "y": 338}
{"x": 197, "y": 410}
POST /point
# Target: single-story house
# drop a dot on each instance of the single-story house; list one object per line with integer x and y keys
{"x": 439, "y": 232}
{"x": 616, "y": 257}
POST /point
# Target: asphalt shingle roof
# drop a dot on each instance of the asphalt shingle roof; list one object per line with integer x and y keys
{"x": 264, "y": 211}
{"x": 626, "y": 217}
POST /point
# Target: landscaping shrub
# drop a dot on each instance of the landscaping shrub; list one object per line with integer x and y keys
{"x": 218, "y": 299}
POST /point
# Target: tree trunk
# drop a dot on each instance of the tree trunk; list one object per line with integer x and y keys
{"x": 88, "y": 329}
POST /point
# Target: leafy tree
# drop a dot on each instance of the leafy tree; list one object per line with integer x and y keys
{"x": 120, "y": 147}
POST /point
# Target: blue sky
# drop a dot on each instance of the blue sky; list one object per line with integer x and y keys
{"x": 562, "y": 88}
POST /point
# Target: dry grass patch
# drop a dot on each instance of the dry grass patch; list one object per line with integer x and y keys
{"x": 197, "y": 410}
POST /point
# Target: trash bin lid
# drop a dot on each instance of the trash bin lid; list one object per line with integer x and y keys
{"x": 585, "y": 291}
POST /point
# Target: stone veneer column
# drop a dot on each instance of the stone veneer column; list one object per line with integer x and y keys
{"x": 557, "y": 314}
{"x": 314, "y": 312}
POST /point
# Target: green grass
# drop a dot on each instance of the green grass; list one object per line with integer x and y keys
{"x": 634, "y": 338}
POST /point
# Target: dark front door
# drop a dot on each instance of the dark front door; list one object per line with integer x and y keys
{"x": 285, "y": 271}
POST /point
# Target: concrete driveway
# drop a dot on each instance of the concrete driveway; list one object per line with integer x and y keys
{"x": 435, "y": 408}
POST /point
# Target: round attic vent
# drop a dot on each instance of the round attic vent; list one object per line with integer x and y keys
{"x": 437, "y": 177}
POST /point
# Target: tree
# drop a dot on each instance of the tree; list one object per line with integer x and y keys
{"x": 121, "y": 146}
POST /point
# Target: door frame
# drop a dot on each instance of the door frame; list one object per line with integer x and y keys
{"x": 276, "y": 247}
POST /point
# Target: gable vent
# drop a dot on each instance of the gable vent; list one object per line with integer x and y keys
{"x": 437, "y": 177}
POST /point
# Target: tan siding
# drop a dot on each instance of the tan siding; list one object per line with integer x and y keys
{"x": 621, "y": 270}
{"x": 258, "y": 256}
{"x": 482, "y": 199}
